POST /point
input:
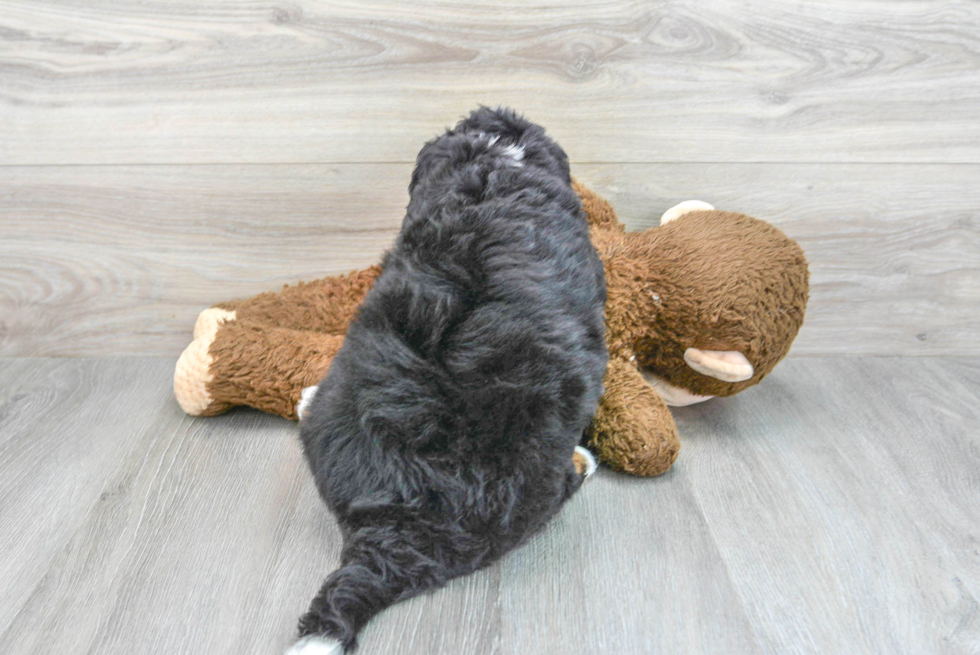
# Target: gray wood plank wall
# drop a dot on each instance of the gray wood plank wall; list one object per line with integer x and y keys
{"x": 157, "y": 157}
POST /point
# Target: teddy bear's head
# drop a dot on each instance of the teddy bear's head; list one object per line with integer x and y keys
{"x": 716, "y": 301}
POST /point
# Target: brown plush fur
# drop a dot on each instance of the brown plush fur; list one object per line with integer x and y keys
{"x": 633, "y": 430}
{"x": 267, "y": 367}
{"x": 325, "y": 305}
{"x": 711, "y": 280}
{"x": 600, "y": 213}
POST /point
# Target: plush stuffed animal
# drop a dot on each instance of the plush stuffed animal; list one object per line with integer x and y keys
{"x": 704, "y": 305}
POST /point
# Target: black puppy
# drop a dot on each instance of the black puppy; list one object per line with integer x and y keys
{"x": 443, "y": 434}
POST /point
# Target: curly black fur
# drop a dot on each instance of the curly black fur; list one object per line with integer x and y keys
{"x": 443, "y": 434}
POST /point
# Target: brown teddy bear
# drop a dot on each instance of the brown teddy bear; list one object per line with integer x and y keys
{"x": 704, "y": 305}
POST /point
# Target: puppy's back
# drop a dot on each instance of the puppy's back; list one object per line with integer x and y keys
{"x": 493, "y": 292}
{"x": 443, "y": 434}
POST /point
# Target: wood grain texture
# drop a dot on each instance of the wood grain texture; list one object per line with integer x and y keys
{"x": 623, "y": 81}
{"x": 63, "y": 426}
{"x": 832, "y": 509}
{"x": 845, "y": 501}
{"x": 120, "y": 259}
{"x": 143, "y": 565}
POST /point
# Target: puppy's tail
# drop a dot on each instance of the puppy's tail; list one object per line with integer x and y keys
{"x": 382, "y": 565}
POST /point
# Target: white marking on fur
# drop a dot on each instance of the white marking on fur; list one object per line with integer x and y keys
{"x": 491, "y": 138}
{"x": 316, "y": 645}
{"x": 685, "y": 207}
{"x": 515, "y": 153}
{"x": 590, "y": 463}
{"x": 306, "y": 397}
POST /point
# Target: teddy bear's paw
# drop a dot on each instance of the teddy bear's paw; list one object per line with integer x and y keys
{"x": 192, "y": 375}
{"x": 306, "y": 397}
{"x": 193, "y": 371}
{"x": 685, "y": 207}
{"x": 209, "y": 320}
{"x": 584, "y": 462}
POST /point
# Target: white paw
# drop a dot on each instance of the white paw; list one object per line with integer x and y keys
{"x": 306, "y": 397}
{"x": 590, "y": 463}
{"x": 316, "y": 645}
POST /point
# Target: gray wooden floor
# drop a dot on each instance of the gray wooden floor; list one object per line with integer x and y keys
{"x": 833, "y": 509}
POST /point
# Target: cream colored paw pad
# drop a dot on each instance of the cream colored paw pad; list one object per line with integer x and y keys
{"x": 685, "y": 207}
{"x": 209, "y": 320}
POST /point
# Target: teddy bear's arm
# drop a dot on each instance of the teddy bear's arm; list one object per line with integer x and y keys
{"x": 633, "y": 430}
{"x": 325, "y": 305}
{"x": 242, "y": 363}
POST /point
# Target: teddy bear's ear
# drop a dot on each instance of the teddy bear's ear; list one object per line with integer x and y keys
{"x": 685, "y": 207}
{"x": 725, "y": 365}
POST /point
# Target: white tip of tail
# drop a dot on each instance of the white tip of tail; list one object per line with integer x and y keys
{"x": 316, "y": 645}
{"x": 590, "y": 463}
